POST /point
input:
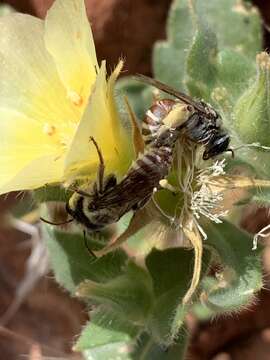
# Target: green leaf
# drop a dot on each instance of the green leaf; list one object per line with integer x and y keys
{"x": 224, "y": 76}
{"x": 148, "y": 349}
{"x": 129, "y": 293}
{"x": 237, "y": 25}
{"x": 171, "y": 270}
{"x": 242, "y": 276}
{"x": 113, "y": 351}
{"x": 201, "y": 62}
{"x": 234, "y": 73}
{"x": 257, "y": 159}
{"x": 72, "y": 263}
{"x": 51, "y": 193}
{"x": 106, "y": 328}
{"x": 107, "y": 334}
{"x": 169, "y": 57}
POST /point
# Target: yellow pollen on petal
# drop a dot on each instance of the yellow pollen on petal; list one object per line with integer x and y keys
{"x": 49, "y": 129}
{"x": 75, "y": 98}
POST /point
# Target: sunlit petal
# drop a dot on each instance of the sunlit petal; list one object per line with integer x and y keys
{"x": 17, "y": 151}
{"x": 69, "y": 40}
{"x": 37, "y": 173}
{"x": 29, "y": 82}
{"x": 102, "y": 122}
{"x": 47, "y": 72}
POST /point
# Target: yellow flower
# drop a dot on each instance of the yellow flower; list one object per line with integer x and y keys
{"x": 53, "y": 97}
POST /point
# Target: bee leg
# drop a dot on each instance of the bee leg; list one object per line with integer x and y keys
{"x": 79, "y": 191}
{"x": 101, "y": 168}
{"x": 87, "y": 246}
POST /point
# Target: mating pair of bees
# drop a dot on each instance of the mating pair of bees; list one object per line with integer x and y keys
{"x": 108, "y": 201}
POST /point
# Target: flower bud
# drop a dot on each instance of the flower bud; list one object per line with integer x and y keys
{"x": 252, "y": 112}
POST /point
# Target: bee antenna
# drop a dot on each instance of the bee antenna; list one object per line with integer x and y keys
{"x": 56, "y": 224}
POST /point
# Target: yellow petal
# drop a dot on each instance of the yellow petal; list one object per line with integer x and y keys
{"x": 102, "y": 122}
{"x": 35, "y": 174}
{"x": 24, "y": 141}
{"x": 69, "y": 40}
{"x": 29, "y": 82}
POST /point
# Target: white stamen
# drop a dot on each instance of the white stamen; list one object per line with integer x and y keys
{"x": 206, "y": 201}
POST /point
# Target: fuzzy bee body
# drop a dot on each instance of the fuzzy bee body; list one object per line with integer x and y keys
{"x": 100, "y": 209}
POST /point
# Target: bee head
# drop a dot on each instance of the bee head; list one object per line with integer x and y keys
{"x": 217, "y": 144}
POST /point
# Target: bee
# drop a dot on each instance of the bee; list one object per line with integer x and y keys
{"x": 108, "y": 200}
{"x": 202, "y": 126}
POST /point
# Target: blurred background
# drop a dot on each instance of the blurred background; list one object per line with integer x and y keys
{"x": 37, "y": 318}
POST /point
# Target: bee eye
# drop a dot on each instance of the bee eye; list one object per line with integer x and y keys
{"x": 217, "y": 145}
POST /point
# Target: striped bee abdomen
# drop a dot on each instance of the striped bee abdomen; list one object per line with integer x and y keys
{"x": 156, "y": 160}
{"x": 153, "y": 119}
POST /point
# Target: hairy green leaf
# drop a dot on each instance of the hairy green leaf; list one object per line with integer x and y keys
{"x": 72, "y": 263}
{"x": 106, "y": 328}
{"x": 171, "y": 271}
{"x": 169, "y": 57}
{"x": 242, "y": 274}
{"x": 129, "y": 293}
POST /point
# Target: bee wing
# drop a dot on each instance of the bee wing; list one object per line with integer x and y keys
{"x": 169, "y": 90}
{"x": 119, "y": 197}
